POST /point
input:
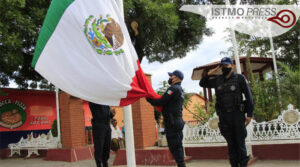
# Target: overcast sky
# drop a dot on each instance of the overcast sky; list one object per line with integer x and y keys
{"x": 208, "y": 51}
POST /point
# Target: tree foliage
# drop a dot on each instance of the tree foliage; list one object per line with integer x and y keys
{"x": 20, "y": 22}
{"x": 54, "y": 128}
{"x": 165, "y": 32}
{"x": 268, "y": 103}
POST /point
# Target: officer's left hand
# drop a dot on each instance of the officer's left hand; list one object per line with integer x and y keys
{"x": 248, "y": 120}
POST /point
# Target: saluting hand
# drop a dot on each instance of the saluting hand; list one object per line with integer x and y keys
{"x": 214, "y": 71}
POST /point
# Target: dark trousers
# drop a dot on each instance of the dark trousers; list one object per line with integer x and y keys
{"x": 102, "y": 139}
{"x": 232, "y": 127}
{"x": 174, "y": 138}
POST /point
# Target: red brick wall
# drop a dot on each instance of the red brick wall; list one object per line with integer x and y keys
{"x": 72, "y": 121}
{"x": 143, "y": 123}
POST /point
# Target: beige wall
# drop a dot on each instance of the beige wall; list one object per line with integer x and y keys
{"x": 119, "y": 115}
{"x": 194, "y": 99}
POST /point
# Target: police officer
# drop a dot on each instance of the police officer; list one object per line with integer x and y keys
{"x": 101, "y": 132}
{"x": 172, "y": 102}
{"x": 231, "y": 109}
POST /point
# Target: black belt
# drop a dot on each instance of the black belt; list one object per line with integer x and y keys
{"x": 230, "y": 110}
{"x": 101, "y": 122}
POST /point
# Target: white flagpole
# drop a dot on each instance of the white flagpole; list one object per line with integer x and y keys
{"x": 275, "y": 66}
{"x": 127, "y": 114}
{"x": 236, "y": 54}
{"x": 273, "y": 57}
{"x": 58, "y": 117}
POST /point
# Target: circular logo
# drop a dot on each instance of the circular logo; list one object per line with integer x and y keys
{"x": 12, "y": 115}
{"x": 104, "y": 34}
{"x": 284, "y": 18}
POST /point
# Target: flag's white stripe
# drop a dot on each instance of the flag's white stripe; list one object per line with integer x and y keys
{"x": 111, "y": 75}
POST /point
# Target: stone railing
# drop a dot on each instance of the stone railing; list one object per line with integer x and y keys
{"x": 285, "y": 127}
{"x": 32, "y": 145}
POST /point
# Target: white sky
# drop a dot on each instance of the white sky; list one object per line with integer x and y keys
{"x": 208, "y": 51}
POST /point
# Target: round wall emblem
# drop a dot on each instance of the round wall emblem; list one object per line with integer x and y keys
{"x": 291, "y": 117}
{"x": 12, "y": 115}
{"x": 104, "y": 34}
{"x": 213, "y": 123}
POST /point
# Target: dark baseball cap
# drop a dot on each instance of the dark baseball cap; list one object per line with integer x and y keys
{"x": 226, "y": 60}
{"x": 177, "y": 73}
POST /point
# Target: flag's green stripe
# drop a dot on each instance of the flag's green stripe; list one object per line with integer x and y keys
{"x": 54, "y": 14}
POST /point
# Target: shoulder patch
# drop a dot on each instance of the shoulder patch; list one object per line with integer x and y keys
{"x": 169, "y": 92}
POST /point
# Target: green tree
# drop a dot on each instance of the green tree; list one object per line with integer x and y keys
{"x": 164, "y": 33}
{"x": 54, "y": 128}
{"x": 289, "y": 86}
{"x": 266, "y": 100}
{"x": 20, "y": 22}
{"x": 267, "y": 104}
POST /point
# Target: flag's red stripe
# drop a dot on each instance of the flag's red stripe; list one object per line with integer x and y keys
{"x": 141, "y": 87}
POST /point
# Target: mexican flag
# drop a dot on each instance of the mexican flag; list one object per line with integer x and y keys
{"x": 84, "y": 49}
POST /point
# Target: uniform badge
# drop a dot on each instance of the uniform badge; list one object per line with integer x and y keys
{"x": 219, "y": 87}
{"x": 232, "y": 87}
{"x": 170, "y": 92}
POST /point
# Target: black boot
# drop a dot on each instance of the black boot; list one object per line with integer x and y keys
{"x": 234, "y": 163}
{"x": 105, "y": 164}
{"x": 182, "y": 164}
{"x": 244, "y": 164}
{"x": 98, "y": 163}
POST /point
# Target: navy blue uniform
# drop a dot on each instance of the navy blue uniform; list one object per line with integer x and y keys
{"x": 229, "y": 107}
{"x": 101, "y": 132}
{"x": 172, "y": 102}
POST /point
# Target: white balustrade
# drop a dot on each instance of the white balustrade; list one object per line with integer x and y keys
{"x": 285, "y": 127}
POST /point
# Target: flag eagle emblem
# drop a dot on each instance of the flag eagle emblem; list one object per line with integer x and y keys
{"x": 104, "y": 34}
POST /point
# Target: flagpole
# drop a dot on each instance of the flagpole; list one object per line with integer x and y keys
{"x": 235, "y": 47}
{"x": 57, "y": 117}
{"x": 275, "y": 65}
{"x": 127, "y": 114}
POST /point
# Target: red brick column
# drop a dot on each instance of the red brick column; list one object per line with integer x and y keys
{"x": 143, "y": 123}
{"x": 72, "y": 121}
{"x": 72, "y": 126}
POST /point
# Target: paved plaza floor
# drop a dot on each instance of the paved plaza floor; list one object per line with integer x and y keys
{"x": 39, "y": 162}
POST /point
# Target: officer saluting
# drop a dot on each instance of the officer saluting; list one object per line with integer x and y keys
{"x": 231, "y": 109}
{"x": 172, "y": 102}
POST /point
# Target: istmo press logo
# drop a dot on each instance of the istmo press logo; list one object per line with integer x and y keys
{"x": 257, "y": 20}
